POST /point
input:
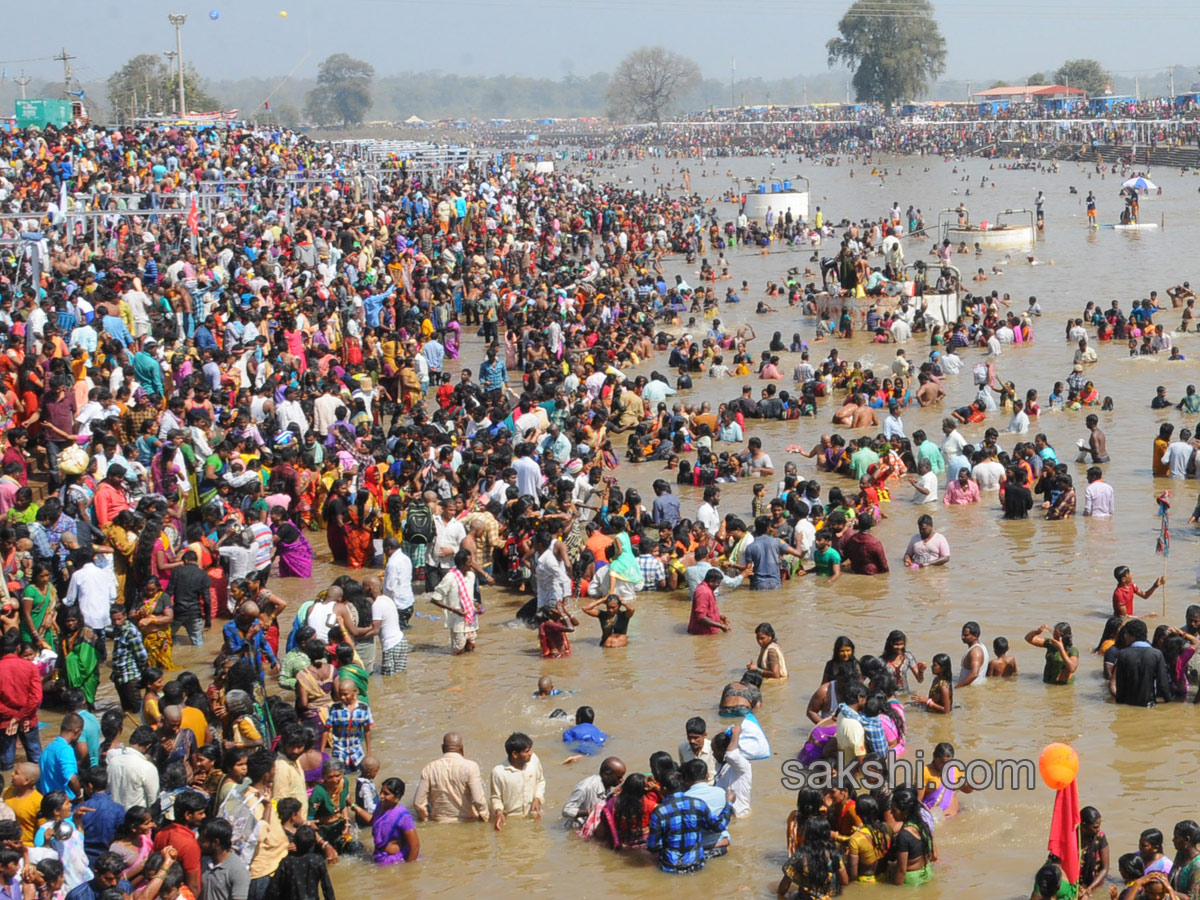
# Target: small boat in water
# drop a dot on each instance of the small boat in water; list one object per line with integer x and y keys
{"x": 1132, "y": 226}
{"x": 955, "y": 226}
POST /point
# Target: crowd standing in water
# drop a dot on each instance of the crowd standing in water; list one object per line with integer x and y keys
{"x": 196, "y": 413}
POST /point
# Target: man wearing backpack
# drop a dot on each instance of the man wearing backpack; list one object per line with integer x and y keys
{"x": 419, "y": 533}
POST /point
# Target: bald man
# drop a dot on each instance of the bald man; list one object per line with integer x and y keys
{"x": 178, "y": 742}
{"x": 245, "y": 639}
{"x": 451, "y": 788}
{"x": 592, "y": 790}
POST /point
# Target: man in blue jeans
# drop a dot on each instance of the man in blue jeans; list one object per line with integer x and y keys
{"x": 189, "y": 592}
{"x": 20, "y": 697}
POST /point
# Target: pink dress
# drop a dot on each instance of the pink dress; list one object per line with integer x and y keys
{"x": 890, "y": 731}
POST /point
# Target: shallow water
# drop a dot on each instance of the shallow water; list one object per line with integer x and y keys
{"x": 1009, "y": 576}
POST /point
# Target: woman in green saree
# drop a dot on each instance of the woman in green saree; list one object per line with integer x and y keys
{"x": 80, "y": 663}
{"x": 625, "y": 575}
{"x": 37, "y": 609}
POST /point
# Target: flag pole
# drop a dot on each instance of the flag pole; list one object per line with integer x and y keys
{"x": 1164, "y": 540}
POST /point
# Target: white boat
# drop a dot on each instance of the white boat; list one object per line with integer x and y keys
{"x": 779, "y": 197}
{"x": 1136, "y": 226}
{"x": 997, "y": 235}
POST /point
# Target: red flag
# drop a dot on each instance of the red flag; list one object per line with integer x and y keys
{"x": 193, "y": 217}
{"x": 1064, "y": 831}
{"x": 266, "y": 104}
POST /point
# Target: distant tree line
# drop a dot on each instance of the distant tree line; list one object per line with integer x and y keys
{"x": 348, "y": 92}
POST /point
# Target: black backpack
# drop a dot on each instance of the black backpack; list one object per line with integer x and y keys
{"x": 418, "y": 525}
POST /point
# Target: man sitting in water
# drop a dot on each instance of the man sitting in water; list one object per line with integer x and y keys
{"x": 677, "y": 829}
{"x": 592, "y": 790}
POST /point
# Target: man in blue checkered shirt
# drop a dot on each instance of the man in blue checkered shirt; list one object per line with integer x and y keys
{"x": 677, "y": 829}
{"x": 851, "y": 721}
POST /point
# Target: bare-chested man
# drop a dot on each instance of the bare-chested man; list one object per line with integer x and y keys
{"x": 930, "y": 392}
{"x": 864, "y": 416}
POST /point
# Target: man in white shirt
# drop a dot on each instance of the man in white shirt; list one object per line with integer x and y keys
{"x": 950, "y": 362}
{"x": 953, "y": 442}
{"x": 450, "y": 535}
{"x": 988, "y": 474}
{"x": 290, "y": 412}
{"x": 517, "y": 787}
{"x": 698, "y": 746}
{"x": 1179, "y": 454}
{"x": 901, "y": 331}
{"x": 397, "y": 580}
{"x": 132, "y": 777}
{"x": 993, "y": 343}
{"x": 92, "y": 589}
{"x": 925, "y": 483}
{"x": 1019, "y": 423}
{"x": 893, "y": 425}
{"x": 385, "y": 620}
{"x": 1098, "y": 499}
{"x": 325, "y": 411}
{"x": 585, "y": 491}
{"x": 734, "y": 773}
{"x": 707, "y": 514}
{"x": 529, "y": 473}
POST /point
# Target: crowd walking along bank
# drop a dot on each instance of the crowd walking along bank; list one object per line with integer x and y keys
{"x": 453, "y": 384}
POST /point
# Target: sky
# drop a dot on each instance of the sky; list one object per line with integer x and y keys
{"x": 554, "y": 38}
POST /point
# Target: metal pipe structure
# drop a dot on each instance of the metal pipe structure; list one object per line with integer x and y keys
{"x": 177, "y": 19}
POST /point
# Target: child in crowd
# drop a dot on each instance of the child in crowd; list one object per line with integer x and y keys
{"x": 1003, "y": 663}
{"x": 24, "y": 799}
{"x": 303, "y": 872}
{"x": 366, "y": 795}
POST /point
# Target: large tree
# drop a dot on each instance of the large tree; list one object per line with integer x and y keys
{"x": 1083, "y": 73}
{"x": 647, "y": 83}
{"x": 343, "y": 91}
{"x": 893, "y": 46}
{"x": 147, "y": 86}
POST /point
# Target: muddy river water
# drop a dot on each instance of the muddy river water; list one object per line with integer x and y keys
{"x": 1137, "y": 766}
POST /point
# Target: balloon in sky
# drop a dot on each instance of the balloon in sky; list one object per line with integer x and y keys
{"x": 283, "y": 14}
{"x": 214, "y": 14}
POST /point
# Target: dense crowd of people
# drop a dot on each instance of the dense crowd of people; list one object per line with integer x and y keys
{"x": 201, "y": 397}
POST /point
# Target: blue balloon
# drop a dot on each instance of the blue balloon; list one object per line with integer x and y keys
{"x": 214, "y": 14}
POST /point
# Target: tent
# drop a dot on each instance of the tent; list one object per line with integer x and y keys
{"x": 414, "y": 120}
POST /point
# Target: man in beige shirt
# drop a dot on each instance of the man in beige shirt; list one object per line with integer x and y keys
{"x": 518, "y": 787}
{"x": 289, "y": 777}
{"x": 270, "y": 844}
{"x": 451, "y": 789}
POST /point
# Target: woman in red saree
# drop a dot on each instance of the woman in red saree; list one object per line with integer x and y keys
{"x": 360, "y": 524}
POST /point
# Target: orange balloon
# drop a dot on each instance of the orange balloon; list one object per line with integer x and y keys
{"x": 1058, "y": 764}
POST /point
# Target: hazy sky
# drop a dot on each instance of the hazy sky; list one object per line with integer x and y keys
{"x": 771, "y": 38}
